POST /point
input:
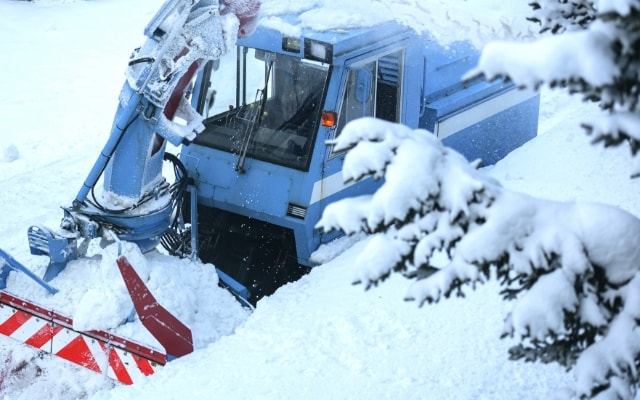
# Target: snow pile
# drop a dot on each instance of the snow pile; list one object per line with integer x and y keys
{"x": 92, "y": 291}
{"x": 478, "y": 21}
{"x": 25, "y": 375}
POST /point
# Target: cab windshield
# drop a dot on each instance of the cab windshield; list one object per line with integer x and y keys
{"x": 263, "y": 105}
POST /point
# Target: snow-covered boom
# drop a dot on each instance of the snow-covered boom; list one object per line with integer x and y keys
{"x": 136, "y": 204}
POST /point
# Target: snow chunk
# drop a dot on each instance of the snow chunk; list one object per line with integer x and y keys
{"x": 380, "y": 255}
{"x": 108, "y": 305}
{"x": 541, "y": 310}
{"x": 279, "y": 24}
{"x": 10, "y": 153}
{"x": 346, "y": 16}
{"x": 348, "y": 215}
{"x": 613, "y": 353}
{"x": 585, "y": 54}
{"x": 610, "y": 237}
{"x": 329, "y": 251}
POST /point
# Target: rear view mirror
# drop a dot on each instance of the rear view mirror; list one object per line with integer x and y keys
{"x": 363, "y": 85}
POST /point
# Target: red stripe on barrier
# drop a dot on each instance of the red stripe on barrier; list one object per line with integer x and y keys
{"x": 44, "y": 335}
{"x": 119, "y": 368}
{"x": 116, "y": 364}
{"x": 143, "y": 365}
{"x": 14, "y": 322}
{"x": 78, "y": 352}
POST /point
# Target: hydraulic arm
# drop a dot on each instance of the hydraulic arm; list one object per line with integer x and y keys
{"x": 136, "y": 203}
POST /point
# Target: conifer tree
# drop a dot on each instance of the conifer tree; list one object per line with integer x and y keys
{"x": 572, "y": 270}
{"x": 599, "y": 53}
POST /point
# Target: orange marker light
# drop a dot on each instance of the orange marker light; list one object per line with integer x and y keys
{"x": 329, "y": 119}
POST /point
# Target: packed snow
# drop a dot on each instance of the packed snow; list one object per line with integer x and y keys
{"x": 321, "y": 337}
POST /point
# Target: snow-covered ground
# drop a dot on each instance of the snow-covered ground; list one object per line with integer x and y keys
{"x": 321, "y": 337}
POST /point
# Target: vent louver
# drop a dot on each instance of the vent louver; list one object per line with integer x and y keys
{"x": 296, "y": 211}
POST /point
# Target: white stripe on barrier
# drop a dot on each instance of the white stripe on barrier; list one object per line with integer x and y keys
{"x": 62, "y": 339}
{"x": 28, "y": 329}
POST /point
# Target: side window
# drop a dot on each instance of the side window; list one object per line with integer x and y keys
{"x": 373, "y": 89}
{"x": 358, "y": 99}
{"x": 388, "y": 87}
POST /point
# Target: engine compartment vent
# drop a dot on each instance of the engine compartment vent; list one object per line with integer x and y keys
{"x": 296, "y": 211}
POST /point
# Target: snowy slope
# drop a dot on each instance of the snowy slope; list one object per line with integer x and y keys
{"x": 321, "y": 337}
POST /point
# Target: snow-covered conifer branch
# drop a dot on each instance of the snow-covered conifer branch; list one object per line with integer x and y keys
{"x": 570, "y": 268}
{"x": 594, "y": 53}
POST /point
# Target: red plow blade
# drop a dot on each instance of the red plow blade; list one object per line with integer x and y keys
{"x": 103, "y": 352}
{"x": 172, "y": 334}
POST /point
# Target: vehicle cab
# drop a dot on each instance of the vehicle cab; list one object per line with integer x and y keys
{"x": 264, "y": 168}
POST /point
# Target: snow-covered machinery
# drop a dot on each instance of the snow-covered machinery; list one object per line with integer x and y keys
{"x": 136, "y": 203}
{"x": 255, "y": 169}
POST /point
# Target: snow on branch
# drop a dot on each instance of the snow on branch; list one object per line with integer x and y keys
{"x": 581, "y": 59}
{"x": 617, "y": 128}
{"x": 572, "y": 269}
{"x": 594, "y": 53}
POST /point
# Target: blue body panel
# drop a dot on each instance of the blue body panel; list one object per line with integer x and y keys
{"x": 491, "y": 139}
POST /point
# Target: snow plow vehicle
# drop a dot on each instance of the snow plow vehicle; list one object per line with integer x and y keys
{"x": 252, "y": 110}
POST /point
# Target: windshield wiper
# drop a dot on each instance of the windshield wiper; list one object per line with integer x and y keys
{"x": 253, "y": 119}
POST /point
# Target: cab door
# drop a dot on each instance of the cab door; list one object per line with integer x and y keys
{"x": 371, "y": 87}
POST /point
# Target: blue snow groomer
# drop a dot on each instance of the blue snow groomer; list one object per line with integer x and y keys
{"x": 262, "y": 167}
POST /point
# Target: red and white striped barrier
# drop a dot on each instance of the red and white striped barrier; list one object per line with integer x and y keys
{"x": 100, "y": 351}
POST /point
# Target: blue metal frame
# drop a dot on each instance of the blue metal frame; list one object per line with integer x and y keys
{"x": 8, "y": 264}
